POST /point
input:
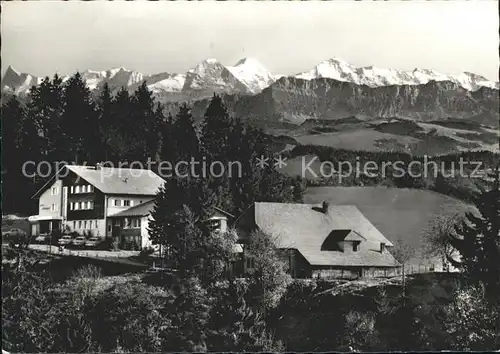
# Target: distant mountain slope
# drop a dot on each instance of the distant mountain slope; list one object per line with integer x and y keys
{"x": 247, "y": 76}
{"x": 375, "y": 77}
{"x": 292, "y": 100}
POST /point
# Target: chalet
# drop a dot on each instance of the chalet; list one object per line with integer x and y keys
{"x": 84, "y": 198}
{"x": 321, "y": 241}
{"x": 131, "y": 225}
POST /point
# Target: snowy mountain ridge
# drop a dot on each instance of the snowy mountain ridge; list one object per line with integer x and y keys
{"x": 247, "y": 76}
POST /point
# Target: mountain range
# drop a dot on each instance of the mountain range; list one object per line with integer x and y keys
{"x": 247, "y": 76}
{"x": 331, "y": 90}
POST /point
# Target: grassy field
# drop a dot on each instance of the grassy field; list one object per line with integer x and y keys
{"x": 405, "y": 214}
{"x": 403, "y": 135}
{"x": 362, "y": 139}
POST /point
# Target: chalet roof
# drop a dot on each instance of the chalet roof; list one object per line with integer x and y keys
{"x": 305, "y": 227}
{"x": 111, "y": 180}
{"x": 143, "y": 209}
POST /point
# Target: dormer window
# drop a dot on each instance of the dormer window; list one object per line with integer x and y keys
{"x": 355, "y": 246}
{"x": 382, "y": 247}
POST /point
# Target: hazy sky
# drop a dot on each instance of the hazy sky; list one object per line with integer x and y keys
{"x": 44, "y": 37}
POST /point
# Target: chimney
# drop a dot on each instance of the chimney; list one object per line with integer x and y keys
{"x": 325, "y": 206}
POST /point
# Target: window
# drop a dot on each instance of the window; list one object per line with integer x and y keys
{"x": 136, "y": 223}
{"x": 54, "y": 207}
{"x": 355, "y": 246}
{"x": 85, "y": 224}
{"x": 117, "y": 202}
{"x": 109, "y": 228}
{"x": 382, "y": 247}
{"x": 91, "y": 205}
{"x": 126, "y": 202}
{"x": 75, "y": 206}
{"x": 96, "y": 224}
{"x": 74, "y": 225}
{"x": 72, "y": 189}
{"x": 90, "y": 188}
{"x": 250, "y": 262}
{"x": 80, "y": 224}
{"x": 77, "y": 189}
{"x": 54, "y": 191}
{"x": 82, "y": 205}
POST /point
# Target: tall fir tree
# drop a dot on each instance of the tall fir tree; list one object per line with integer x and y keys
{"x": 120, "y": 118}
{"x": 168, "y": 142}
{"x": 216, "y": 130}
{"x": 45, "y": 108}
{"x": 187, "y": 142}
{"x": 181, "y": 207}
{"x": 477, "y": 240}
{"x": 20, "y": 145}
{"x": 79, "y": 122}
{"x": 106, "y": 123}
{"x": 142, "y": 133}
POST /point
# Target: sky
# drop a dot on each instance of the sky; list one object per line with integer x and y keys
{"x": 45, "y": 37}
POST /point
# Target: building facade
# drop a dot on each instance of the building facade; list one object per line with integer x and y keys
{"x": 83, "y": 199}
{"x": 325, "y": 241}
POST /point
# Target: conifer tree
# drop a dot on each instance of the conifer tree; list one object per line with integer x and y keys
{"x": 216, "y": 130}
{"x": 120, "y": 118}
{"x": 106, "y": 122}
{"x": 79, "y": 122}
{"x": 20, "y": 144}
{"x": 187, "y": 143}
{"x": 168, "y": 141}
{"x": 477, "y": 240}
{"x": 45, "y": 108}
{"x": 142, "y": 134}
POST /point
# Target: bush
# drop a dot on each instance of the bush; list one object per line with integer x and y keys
{"x": 146, "y": 252}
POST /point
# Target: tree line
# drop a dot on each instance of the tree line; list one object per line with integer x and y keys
{"x": 64, "y": 121}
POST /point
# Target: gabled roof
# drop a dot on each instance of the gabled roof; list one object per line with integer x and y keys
{"x": 301, "y": 227}
{"x": 338, "y": 235}
{"x": 143, "y": 209}
{"x": 110, "y": 180}
{"x": 224, "y": 212}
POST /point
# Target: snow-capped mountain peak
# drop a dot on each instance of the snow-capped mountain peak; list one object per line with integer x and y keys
{"x": 252, "y": 74}
{"x": 18, "y": 83}
{"x": 375, "y": 77}
{"x": 247, "y": 76}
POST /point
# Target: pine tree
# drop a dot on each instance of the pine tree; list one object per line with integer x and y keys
{"x": 180, "y": 208}
{"x": 168, "y": 142}
{"x": 477, "y": 240}
{"x": 45, "y": 108}
{"x": 79, "y": 122}
{"x": 187, "y": 143}
{"x": 20, "y": 145}
{"x": 216, "y": 131}
{"x": 120, "y": 118}
{"x": 106, "y": 123}
{"x": 142, "y": 134}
